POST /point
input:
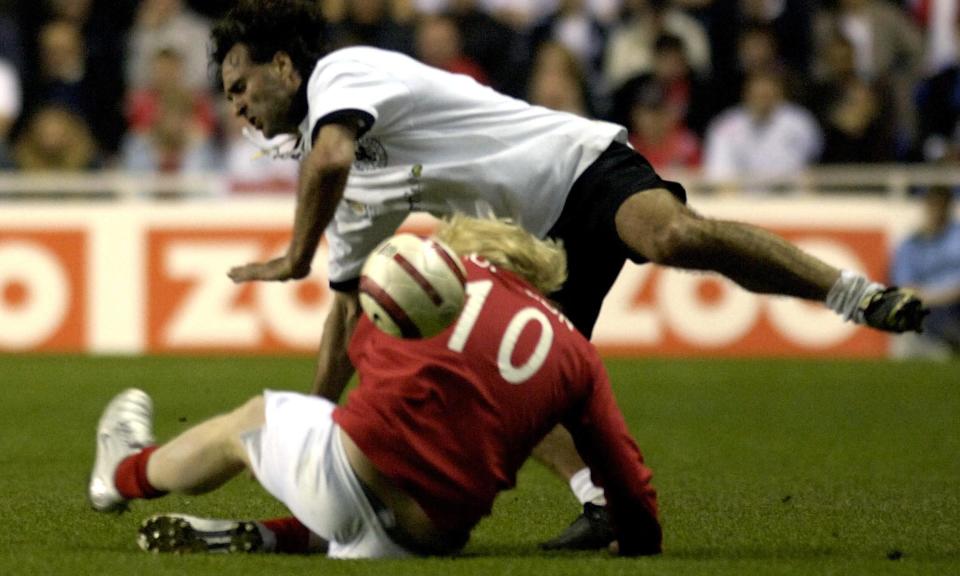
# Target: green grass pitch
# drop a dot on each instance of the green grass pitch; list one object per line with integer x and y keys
{"x": 763, "y": 467}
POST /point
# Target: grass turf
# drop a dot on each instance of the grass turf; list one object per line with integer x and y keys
{"x": 775, "y": 467}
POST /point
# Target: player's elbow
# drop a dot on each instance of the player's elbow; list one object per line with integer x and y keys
{"x": 332, "y": 161}
{"x": 332, "y": 154}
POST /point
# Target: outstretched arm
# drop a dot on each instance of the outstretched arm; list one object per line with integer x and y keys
{"x": 616, "y": 464}
{"x": 657, "y": 226}
{"x": 323, "y": 177}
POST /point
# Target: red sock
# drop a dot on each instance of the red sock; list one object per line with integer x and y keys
{"x": 292, "y": 536}
{"x": 131, "y": 476}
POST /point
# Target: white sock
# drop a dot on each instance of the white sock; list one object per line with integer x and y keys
{"x": 584, "y": 489}
{"x": 847, "y": 292}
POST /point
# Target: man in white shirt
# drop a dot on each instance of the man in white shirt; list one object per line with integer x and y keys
{"x": 765, "y": 136}
{"x": 381, "y": 136}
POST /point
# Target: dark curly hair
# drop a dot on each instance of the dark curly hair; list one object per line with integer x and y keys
{"x": 270, "y": 26}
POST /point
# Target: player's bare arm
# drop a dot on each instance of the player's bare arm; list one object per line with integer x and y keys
{"x": 323, "y": 177}
{"x": 333, "y": 365}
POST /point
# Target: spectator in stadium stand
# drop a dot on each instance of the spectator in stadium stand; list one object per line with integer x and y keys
{"x": 938, "y": 106}
{"x": 175, "y": 142}
{"x": 440, "y": 44}
{"x": 64, "y": 79}
{"x": 62, "y": 66}
{"x": 856, "y": 130}
{"x": 168, "y": 24}
{"x": 502, "y": 52}
{"x": 758, "y": 52}
{"x": 430, "y": 7}
{"x": 333, "y": 10}
{"x": 558, "y": 82}
{"x": 524, "y": 14}
{"x": 766, "y": 136}
{"x": 685, "y": 92}
{"x": 790, "y": 25}
{"x": 370, "y": 23}
{"x": 658, "y": 133}
{"x": 856, "y": 114}
{"x": 166, "y": 81}
{"x": 929, "y": 262}
{"x": 10, "y": 107}
{"x": 382, "y": 135}
{"x": 938, "y": 20}
{"x": 574, "y": 25}
{"x": 401, "y": 11}
{"x": 888, "y": 48}
{"x": 464, "y": 424}
{"x": 11, "y": 45}
{"x": 631, "y": 45}
{"x": 77, "y": 46}
{"x": 56, "y": 140}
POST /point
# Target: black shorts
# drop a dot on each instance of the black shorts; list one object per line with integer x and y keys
{"x": 587, "y": 227}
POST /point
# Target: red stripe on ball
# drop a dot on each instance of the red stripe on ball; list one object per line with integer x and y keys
{"x": 407, "y": 328}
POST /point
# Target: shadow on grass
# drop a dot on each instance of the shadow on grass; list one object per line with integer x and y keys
{"x": 531, "y": 551}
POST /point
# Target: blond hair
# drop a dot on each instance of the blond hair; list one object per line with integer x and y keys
{"x": 542, "y": 263}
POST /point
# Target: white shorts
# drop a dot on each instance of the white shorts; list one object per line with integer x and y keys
{"x": 297, "y": 456}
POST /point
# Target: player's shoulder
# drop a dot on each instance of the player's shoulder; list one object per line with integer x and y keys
{"x": 376, "y": 58}
{"x": 365, "y": 65}
{"x": 513, "y": 292}
{"x": 361, "y": 53}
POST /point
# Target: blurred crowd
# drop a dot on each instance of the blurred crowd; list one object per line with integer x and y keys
{"x": 737, "y": 88}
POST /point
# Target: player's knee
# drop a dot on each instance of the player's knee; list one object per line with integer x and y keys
{"x": 253, "y": 406}
{"x": 657, "y": 226}
{"x": 667, "y": 243}
{"x": 247, "y": 417}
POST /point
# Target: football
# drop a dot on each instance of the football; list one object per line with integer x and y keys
{"x": 412, "y": 287}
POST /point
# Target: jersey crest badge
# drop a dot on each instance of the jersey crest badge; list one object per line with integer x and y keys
{"x": 370, "y": 154}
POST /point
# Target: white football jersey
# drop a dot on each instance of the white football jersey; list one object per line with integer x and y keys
{"x": 441, "y": 143}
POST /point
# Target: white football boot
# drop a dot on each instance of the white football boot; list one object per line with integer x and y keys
{"x": 125, "y": 427}
{"x": 183, "y": 534}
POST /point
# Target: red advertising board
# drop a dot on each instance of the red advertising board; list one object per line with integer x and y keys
{"x": 43, "y": 283}
{"x": 661, "y": 312}
{"x": 192, "y": 306}
{"x": 153, "y": 279}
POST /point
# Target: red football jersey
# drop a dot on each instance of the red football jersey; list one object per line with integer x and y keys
{"x": 450, "y": 419}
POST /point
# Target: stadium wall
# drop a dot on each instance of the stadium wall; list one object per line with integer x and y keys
{"x": 140, "y": 277}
